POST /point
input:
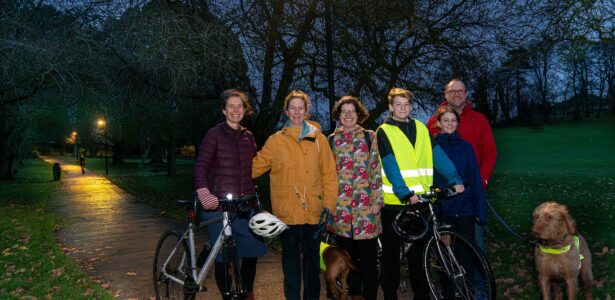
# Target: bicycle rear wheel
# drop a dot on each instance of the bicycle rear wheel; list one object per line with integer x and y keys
{"x": 457, "y": 269}
{"x": 166, "y": 282}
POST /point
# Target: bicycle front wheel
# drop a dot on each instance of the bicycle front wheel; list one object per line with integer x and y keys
{"x": 171, "y": 267}
{"x": 457, "y": 269}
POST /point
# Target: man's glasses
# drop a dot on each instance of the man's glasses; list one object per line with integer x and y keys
{"x": 455, "y": 92}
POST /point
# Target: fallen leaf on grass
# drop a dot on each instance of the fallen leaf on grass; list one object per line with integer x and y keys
{"x": 604, "y": 251}
{"x": 56, "y": 272}
{"x": 599, "y": 283}
{"x": 16, "y": 291}
{"x": 106, "y": 285}
{"x": 6, "y": 252}
{"x": 505, "y": 280}
{"x": 131, "y": 273}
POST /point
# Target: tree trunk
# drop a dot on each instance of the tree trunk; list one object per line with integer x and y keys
{"x": 171, "y": 158}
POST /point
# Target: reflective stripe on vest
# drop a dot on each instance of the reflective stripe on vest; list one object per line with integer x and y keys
{"x": 415, "y": 163}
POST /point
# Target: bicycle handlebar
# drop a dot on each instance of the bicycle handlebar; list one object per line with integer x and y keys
{"x": 436, "y": 194}
{"x": 231, "y": 200}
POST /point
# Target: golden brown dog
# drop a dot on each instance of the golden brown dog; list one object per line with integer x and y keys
{"x": 562, "y": 254}
{"x": 339, "y": 264}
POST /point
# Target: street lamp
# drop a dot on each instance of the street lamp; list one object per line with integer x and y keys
{"x": 102, "y": 125}
{"x": 74, "y": 139}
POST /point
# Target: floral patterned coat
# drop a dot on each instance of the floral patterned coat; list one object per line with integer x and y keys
{"x": 360, "y": 185}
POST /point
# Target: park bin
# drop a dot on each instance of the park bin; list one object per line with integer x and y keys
{"x": 57, "y": 171}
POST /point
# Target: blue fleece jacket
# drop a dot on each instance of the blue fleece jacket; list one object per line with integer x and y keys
{"x": 472, "y": 201}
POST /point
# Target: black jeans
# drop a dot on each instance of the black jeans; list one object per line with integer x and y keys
{"x": 248, "y": 273}
{"x": 364, "y": 254}
{"x": 299, "y": 239}
{"x": 390, "y": 252}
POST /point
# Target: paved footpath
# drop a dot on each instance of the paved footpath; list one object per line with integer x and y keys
{"x": 113, "y": 237}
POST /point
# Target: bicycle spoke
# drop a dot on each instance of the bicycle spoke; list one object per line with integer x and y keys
{"x": 174, "y": 257}
{"x": 456, "y": 270}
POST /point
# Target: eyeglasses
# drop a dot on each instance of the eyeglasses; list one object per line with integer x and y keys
{"x": 349, "y": 112}
{"x": 457, "y": 92}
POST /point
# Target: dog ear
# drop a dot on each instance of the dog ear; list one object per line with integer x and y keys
{"x": 569, "y": 222}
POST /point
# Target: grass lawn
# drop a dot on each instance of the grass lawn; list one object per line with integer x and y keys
{"x": 31, "y": 264}
{"x": 570, "y": 163}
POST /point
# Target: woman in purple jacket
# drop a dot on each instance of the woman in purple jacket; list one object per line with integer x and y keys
{"x": 224, "y": 166}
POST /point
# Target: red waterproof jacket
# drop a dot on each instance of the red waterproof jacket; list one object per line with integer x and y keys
{"x": 475, "y": 129}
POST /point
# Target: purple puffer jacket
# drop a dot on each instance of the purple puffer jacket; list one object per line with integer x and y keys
{"x": 224, "y": 161}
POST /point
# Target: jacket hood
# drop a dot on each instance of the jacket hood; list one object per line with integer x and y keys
{"x": 309, "y": 129}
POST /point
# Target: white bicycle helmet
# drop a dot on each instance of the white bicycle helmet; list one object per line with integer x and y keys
{"x": 266, "y": 225}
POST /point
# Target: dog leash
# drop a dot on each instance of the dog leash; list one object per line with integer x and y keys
{"x": 322, "y": 222}
{"x": 506, "y": 226}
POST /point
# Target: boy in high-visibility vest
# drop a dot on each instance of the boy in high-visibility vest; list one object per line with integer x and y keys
{"x": 407, "y": 159}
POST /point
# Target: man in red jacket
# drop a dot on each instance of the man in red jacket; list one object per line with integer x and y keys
{"x": 474, "y": 129}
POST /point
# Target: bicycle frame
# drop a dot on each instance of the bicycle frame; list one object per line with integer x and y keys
{"x": 438, "y": 237}
{"x": 225, "y": 235}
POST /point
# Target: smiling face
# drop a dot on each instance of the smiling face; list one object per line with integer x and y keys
{"x": 448, "y": 122}
{"x": 296, "y": 112}
{"x": 234, "y": 111}
{"x": 455, "y": 94}
{"x": 348, "y": 116}
{"x": 401, "y": 108}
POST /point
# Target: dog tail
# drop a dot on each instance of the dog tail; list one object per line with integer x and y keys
{"x": 349, "y": 262}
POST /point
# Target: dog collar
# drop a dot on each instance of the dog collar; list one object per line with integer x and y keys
{"x": 575, "y": 241}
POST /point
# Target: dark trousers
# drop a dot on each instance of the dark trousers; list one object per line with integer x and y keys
{"x": 299, "y": 239}
{"x": 248, "y": 273}
{"x": 364, "y": 255}
{"x": 390, "y": 252}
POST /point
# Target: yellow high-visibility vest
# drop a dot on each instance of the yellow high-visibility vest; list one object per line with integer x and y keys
{"x": 415, "y": 163}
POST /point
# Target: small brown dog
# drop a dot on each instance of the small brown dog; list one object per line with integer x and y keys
{"x": 338, "y": 264}
{"x": 562, "y": 253}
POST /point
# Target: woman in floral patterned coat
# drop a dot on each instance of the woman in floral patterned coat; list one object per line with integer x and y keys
{"x": 356, "y": 220}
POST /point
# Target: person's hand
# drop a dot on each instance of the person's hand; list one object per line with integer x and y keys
{"x": 459, "y": 188}
{"x": 208, "y": 200}
{"x": 414, "y": 199}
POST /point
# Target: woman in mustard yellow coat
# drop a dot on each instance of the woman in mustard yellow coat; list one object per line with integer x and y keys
{"x": 303, "y": 181}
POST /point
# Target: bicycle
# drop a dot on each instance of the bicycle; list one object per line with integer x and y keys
{"x": 175, "y": 268}
{"x": 454, "y": 266}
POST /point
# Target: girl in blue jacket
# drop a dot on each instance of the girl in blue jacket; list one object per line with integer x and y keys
{"x": 467, "y": 208}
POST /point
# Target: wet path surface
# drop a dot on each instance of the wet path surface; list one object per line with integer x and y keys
{"x": 113, "y": 237}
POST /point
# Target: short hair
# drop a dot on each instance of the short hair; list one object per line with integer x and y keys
{"x": 226, "y": 94}
{"x": 453, "y": 80}
{"x": 362, "y": 112}
{"x": 394, "y": 92}
{"x": 301, "y": 95}
{"x": 446, "y": 109}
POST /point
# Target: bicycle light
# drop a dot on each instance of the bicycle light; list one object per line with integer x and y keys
{"x": 229, "y": 196}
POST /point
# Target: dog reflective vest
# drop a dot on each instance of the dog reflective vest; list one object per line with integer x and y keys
{"x": 323, "y": 246}
{"x": 415, "y": 163}
{"x": 575, "y": 241}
